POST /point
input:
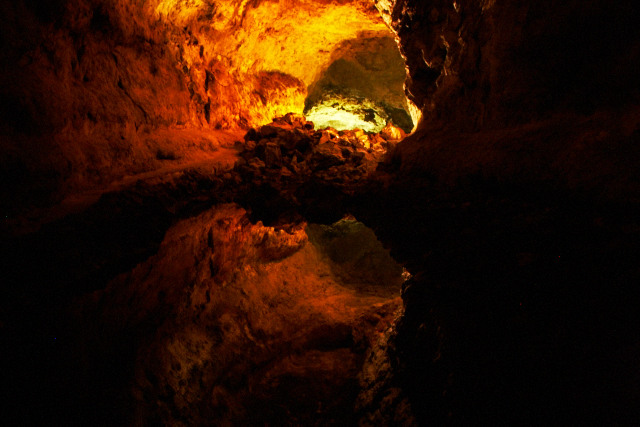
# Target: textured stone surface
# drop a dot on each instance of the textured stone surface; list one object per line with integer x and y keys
{"x": 366, "y": 68}
{"x": 522, "y": 92}
{"x": 514, "y": 205}
{"x": 238, "y": 323}
{"x": 485, "y": 64}
{"x": 85, "y": 84}
{"x": 317, "y": 175}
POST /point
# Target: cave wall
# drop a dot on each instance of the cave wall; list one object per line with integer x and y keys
{"x": 522, "y": 92}
{"x": 86, "y": 83}
{"x": 515, "y": 206}
{"x": 81, "y": 83}
{"x": 479, "y": 64}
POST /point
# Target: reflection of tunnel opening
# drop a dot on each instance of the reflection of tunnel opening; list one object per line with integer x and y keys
{"x": 357, "y": 258}
{"x": 363, "y": 87}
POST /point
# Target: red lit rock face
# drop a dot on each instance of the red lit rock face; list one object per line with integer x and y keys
{"x": 231, "y": 44}
{"x": 91, "y": 80}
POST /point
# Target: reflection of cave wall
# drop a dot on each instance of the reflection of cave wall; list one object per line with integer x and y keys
{"x": 370, "y": 68}
{"x": 357, "y": 257}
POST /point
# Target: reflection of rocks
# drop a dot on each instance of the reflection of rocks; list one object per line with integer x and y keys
{"x": 243, "y": 324}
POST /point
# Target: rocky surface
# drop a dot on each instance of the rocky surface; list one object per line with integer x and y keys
{"x": 86, "y": 84}
{"x": 514, "y": 205}
{"x": 288, "y": 169}
{"x": 476, "y": 64}
{"x": 364, "y": 70}
{"x": 227, "y": 322}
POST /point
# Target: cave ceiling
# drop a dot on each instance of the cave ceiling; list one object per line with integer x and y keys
{"x": 273, "y": 50}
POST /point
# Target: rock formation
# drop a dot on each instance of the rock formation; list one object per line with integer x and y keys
{"x": 179, "y": 244}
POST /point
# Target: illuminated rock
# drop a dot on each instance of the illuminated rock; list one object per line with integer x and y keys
{"x": 514, "y": 204}
{"x": 391, "y": 132}
{"x": 366, "y": 70}
{"x": 94, "y": 81}
{"x": 344, "y": 113}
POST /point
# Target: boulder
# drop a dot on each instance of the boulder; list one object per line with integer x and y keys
{"x": 392, "y": 133}
{"x": 327, "y": 155}
{"x": 272, "y": 155}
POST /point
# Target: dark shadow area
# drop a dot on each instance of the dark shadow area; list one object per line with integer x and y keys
{"x": 44, "y": 271}
{"x": 523, "y": 304}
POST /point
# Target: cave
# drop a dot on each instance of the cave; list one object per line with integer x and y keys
{"x": 324, "y": 212}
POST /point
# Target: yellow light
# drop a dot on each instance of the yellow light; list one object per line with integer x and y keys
{"x": 343, "y": 113}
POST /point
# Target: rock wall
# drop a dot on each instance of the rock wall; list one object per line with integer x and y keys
{"x": 479, "y": 64}
{"x": 81, "y": 84}
{"x": 86, "y": 83}
{"x": 523, "y": 92}
{"x": 509, "y": 205}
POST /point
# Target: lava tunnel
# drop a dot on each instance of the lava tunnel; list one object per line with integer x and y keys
{"x": 323, "y": 212}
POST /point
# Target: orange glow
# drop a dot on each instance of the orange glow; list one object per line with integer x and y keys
{"x": 343, "y": 113}
{"x": 296, "y": 38}
{"x": 228, "y": 47}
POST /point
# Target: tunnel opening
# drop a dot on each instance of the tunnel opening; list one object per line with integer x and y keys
{"x": 357, "y": 257}
{"x": 361, "y": 88}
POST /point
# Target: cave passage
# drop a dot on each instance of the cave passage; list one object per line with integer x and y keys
{"x": 362, "y": 87}
{"x": 175, "y": 177}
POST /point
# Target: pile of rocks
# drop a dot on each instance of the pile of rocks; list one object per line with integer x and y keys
{"x": 289, "y": 150}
